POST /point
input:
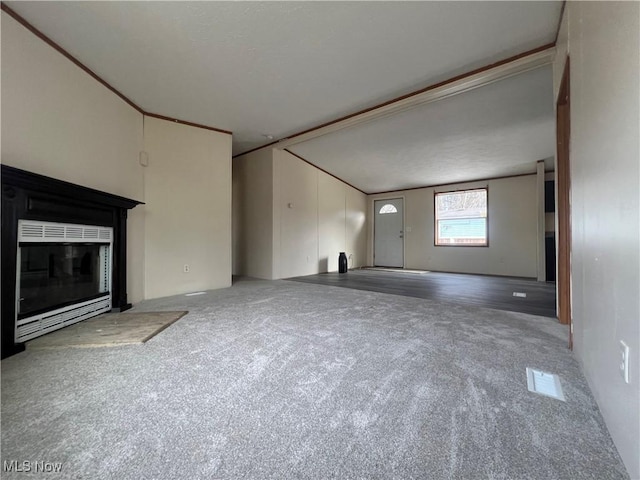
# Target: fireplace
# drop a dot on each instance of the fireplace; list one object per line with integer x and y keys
{"x": 63, "y": 255}
{"x": 63, "y": 275}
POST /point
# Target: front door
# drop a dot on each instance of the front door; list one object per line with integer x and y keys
{"x": 388, "y": 243}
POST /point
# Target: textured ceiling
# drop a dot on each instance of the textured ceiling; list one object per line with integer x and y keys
{"x": 501, "y": 129}
{"x": 278, "y": 68}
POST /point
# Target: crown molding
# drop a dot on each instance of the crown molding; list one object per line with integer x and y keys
{"x": 95, "y": 76}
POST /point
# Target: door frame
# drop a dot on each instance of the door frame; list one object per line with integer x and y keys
{"x": 404, "y": 228}
{"x": 563, "y": 173}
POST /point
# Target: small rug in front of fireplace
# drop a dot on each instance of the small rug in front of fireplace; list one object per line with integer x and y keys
{"x": 108, "y": 330}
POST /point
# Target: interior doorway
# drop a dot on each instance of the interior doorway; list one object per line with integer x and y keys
{"x": 563, "y": 126}
{"x": 388, "y": 234}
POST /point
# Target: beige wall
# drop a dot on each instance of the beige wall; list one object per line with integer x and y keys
{"x": 311, "y": 217}
{"x": 58, "y": 121}
{"x": 562, "y": 50}
{"x": 332, "y": 226}
{"x": 602, "y": 41}
{"x": 341, "y": 223}
{"x": 318, "y": 217}
{"x": 513, "y": 227}
{"x": 253, "y": 214}
{"x": 356, "y": 211}
{"x": 188, "y": 214}
{"x": 297, "y": 201}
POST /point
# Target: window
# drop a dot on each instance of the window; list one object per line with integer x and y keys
{"x": 461, "y": 218}
{"x": 388, "y": 208}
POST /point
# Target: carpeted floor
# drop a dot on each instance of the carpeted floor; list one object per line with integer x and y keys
{"x": 287, "y": 380}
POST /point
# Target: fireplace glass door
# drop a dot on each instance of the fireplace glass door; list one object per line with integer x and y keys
{"x": 56, "y": 275}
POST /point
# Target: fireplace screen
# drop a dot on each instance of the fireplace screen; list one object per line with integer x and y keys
{"x": 56, "y": 275}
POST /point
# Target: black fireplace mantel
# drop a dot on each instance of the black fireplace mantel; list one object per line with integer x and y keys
{"x": 30, "y": 196}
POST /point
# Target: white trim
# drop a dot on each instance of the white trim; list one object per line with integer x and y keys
{"x": 404, "y": 228}
{"x": 35, "y": 231}
{"x": 388, "y": 211}
{"x": 106, "y": 267}
{"x": 37, "y": 325}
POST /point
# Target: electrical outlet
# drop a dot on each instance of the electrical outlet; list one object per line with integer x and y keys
{"x": 185, "y": 268}
{"x": 624, "y": 361}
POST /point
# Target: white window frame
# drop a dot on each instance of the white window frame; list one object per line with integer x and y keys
{"x": 392, "y": 210}
{"x": 436, "y": 239}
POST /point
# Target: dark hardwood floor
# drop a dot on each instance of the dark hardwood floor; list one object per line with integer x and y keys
{"x": 476, "y": 290}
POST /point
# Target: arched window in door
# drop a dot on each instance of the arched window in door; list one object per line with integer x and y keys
{"x": 388, "y": 208}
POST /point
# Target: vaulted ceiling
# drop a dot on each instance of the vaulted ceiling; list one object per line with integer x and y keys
{"x": 277, "y": 68}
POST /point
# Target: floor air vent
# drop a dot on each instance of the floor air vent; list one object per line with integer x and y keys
{"x": 544, "y": 383}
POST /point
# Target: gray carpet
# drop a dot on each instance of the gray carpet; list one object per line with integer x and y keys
{"x": 289, "y": 380}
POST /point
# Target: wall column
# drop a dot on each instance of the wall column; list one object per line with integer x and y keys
{"x": 542, "y": 274}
